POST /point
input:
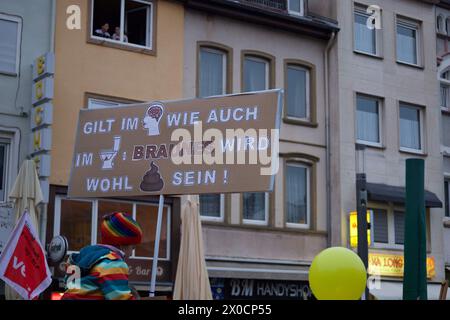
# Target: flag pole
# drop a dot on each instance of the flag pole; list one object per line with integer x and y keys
{"x": 156, "y": 249}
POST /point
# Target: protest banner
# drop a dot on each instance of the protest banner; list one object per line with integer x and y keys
{"x": 23, "y": 265}
{"x": 211, "y": 145}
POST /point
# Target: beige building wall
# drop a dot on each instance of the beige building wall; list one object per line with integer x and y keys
{"x": 385, "y": 78}
{"x": 83, "y": 67}
{"x": 233, "y": 240}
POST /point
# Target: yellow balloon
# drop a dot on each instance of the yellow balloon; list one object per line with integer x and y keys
{"x": 337, "y": 274}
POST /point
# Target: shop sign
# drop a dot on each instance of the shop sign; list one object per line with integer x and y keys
{"x": 213, "y": 145}
{"x": 41, "y": 140}
{"x": 44, "y": 66}
{"x": 354, "y": 229}
{"x": 267, "y": 289}
{"x": 42, "y": 91}
{"x": 392, "y": 265}
{"x": 42, "y": 162}
{"x": 42, "y": 115}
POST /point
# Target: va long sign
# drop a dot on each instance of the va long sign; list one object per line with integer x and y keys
{"x": 212, "y": 145}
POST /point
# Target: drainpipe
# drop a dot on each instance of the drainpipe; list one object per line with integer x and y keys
{"x": 330, "y": 44}
{"x": 44, "y": 206}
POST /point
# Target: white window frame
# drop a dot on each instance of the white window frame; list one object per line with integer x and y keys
{"x": 149, "y": 35}
{"x": 439, "y": 23}
{"x": 224, "y": 64}
{"x": 17, "y": 20}
{"x": 444, "y": 83}
{"x": 308, "y": 91}
{"x": 7, "y": 143}
{"x": 94, "y": 224}
{"x": 360, "y": 9}
{"x": 447, "y": 179}
{"x": 421, "y": 129}
{"x": 380, "y": 122}
{"x": 300, "y": 13}
{"x": 94, "y": 103}
{"x": 11, "y": 137}
{"x": 221, "y": 218}
{"x": 308, "y": 198}
{"x": 413, "y": 25}
{"x": 446, "y": 30}
{"x": 390, "y": 211}
{"x": 266, "y": 68}
{"x": 264, "y": 222}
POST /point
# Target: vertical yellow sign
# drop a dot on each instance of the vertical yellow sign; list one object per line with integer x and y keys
{"x": 354, "y": 229}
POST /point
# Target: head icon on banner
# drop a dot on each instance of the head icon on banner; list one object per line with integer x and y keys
{"x": 152, "y": 118}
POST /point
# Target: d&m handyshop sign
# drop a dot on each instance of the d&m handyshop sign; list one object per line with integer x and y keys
{"x": 266, "y": 289}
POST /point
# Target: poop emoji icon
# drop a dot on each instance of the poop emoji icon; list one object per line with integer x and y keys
{"x": 152, "y": 118}
{"x": 152, "y": 181}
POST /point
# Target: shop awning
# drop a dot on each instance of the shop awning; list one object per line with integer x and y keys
{"x": 387, "y": 193}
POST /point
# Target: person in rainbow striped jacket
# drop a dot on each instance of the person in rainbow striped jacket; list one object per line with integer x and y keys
{"x": 103, "y": 270}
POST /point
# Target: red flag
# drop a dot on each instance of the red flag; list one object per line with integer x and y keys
{"x": 23, "y": 265}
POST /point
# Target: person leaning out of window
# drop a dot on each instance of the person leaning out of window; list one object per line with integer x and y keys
{"x": 103, "y": 31}
{"x": 116, "y": 35}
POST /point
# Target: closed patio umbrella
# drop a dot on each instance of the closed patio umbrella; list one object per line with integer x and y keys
{"x": 192, "y": 282}
{"x": 26, "y": 194}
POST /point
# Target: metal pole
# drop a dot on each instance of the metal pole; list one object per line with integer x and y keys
{"x": 361, "y": 207}
{"x": 156, "y": 249}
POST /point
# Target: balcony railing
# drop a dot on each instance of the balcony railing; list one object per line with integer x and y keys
{"x": 279, "y": 5}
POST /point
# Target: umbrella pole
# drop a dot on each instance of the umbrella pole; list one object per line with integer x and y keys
{"x": 156, "y": 249}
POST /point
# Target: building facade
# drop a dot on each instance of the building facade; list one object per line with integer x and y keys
{"x": 443, "y": 63}
{"x": 257, "y": 242}
{"x": 384, "y": 112}
{"x": 26, "y": 33}
{"x": 125, "y": 51}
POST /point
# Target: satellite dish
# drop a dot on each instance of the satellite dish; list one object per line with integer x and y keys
{"x": 57, "y": 249}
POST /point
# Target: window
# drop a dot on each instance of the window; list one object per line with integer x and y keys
{"x": 368, "y": 120}
{"x": 10, "y": 40}
{"x": 4, "y": 150}
{"x": 365, "y": 38}
{"x": 399, "y": 226}
{"x": 297, "y": 186}
{"x": 76, "y": 223}
{"x": 125, "y": 21}
{"x": 408, "y": 42}
{"x": 212, "y": 81}
{"x": 380, "y": 226}
{"x": 447, "y": 197}
{"x": 100, "y": 104}
{"x": 439, "y": 24}
{"x": 296, "y": 7}
{"x": 256, "y": 78}
{"x": 255, "y": 208}
{"x": 447, "y": 27}
{"x": 256, "y": 74}
{"x": 445, "y": 86}
{"x": 212, "y": 207}
{"x": 212, "y": 72}
{"x": 80, "y": 221}
{"x": 388, "y": 226}
{"x": 298, "y": 92}
{"x": 410, "y": 128}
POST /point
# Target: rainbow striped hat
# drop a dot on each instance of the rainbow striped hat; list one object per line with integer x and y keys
{"x": 120, "y": 229}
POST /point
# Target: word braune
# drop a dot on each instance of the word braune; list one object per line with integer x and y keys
{"x": 212, "y": 147}
{"x": 226, "y": 309}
